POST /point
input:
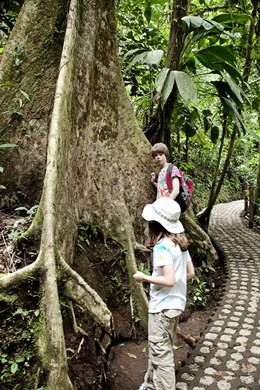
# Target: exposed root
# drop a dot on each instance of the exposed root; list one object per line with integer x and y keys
{"x": 19, "y": 275}
{"x": 132, "y": 332}
{"x": 141, "y": 247}
{"x": 80, "y": 292}
{"x": 77, "y": 329}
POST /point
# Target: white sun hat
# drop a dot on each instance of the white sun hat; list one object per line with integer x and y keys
{"x": 166, "y": 212}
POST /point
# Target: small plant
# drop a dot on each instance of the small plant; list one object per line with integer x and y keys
{"x": 17, "y": 351}
{"x": 85, "y": 234}
{"x": 206, "y": 268}
{"x": 199, "y": 292}
{"x": 21, "y": 225}
{"x": 12, "y": 365}
{"x": 18, "y": 100}
{"x": 142, "y": 268}
{"x": 18, "y": 58}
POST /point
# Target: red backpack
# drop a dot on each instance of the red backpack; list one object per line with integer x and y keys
{"x": 186, "y": 188}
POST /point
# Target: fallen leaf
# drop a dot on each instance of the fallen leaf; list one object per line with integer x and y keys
{"x": 131, "y": 355}
{"x": 249, "y": 368}
{"x": 177, "y": 346}
{"x": 222, "y": 373}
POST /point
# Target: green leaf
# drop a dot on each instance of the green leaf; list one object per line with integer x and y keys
{"x": 8, "y": 84}
{"x": 196, "y": 23}
{"x": 160, "y": 79}
{"x": 233, "y": 86}
{"x": 214, "y": 134}
{"x": 186, "y": 86}
{"x": 224, "y": 90}
{"x": 133, "y": 51}
{"x": 253, "y": 134}
{"x": 139, "y": 57}
{"x": 215, "y": 54}
{"x": 232, "y": 18}
{"x": 151, "y": 57}
{"x": 167, "y": 88}
{"x": 206, "y": 124}
{"x": 14, "y": 368}
{"x": 232, "y": 71}
{"x": 19, "y": 359}
{"x": 21, "y": 208}
{"x": 189, "y": 130}
{"x": 8, "y": 145}
{"x": 24, "y": 94}
{"x": 192, "y": 22}
{"x": 194, "y": 115}
{"x": 154, "y": 57}
{"x": 206, "y": 112}
{"x": 158, "y": 1}
{"x": 148, "y": 12}
{"x": 233, "y": 113}
{"x": 220, "y": 28}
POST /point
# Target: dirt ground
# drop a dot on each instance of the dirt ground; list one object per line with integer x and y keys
{"x": 128, "y": 361}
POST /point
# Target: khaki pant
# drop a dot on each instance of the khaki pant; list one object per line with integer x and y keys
{"x": 160, "y": 374}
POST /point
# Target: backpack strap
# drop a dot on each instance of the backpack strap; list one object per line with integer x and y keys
{"x": 169, "y": 177}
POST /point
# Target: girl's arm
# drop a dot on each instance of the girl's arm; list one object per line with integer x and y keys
{"x": 190, "y": 270}
{"x": 166, "y": 280}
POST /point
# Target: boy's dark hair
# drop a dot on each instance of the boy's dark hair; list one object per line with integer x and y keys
{"x": 160, "y": 148}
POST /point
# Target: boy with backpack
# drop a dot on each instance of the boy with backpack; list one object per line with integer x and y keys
{"x": 160, "y": 153}
{"x": 171, "y": 182}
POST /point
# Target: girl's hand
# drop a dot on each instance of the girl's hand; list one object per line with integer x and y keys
{"x": 139, "y": 277}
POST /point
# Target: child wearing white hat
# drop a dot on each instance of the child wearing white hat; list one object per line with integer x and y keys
{"x": 172, "y": 267}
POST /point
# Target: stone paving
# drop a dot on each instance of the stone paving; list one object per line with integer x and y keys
{"x": 227, "y": 356}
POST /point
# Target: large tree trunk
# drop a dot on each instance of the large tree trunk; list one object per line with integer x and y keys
{"x": 96, "y": 170}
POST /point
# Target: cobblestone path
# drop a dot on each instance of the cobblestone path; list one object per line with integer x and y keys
{"x": 227, "y": 356}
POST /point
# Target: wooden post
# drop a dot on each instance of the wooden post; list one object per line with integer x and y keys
{"x": 251, "y": 205}
{"x": 245, "y": 196}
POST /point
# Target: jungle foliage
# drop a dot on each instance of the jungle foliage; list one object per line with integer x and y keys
{"x": 216, "y": 113}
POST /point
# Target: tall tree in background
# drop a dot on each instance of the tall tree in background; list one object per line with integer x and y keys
{"x": 235, "y": 133}
{"x": 157, "y": 129}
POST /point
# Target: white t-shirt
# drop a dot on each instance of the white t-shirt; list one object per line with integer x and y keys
{"x": 162, "y": 298}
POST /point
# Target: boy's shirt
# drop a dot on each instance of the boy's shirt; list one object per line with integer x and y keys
{"x": 162, "y": 188}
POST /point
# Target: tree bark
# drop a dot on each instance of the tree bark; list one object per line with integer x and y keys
{"x": 96, "y": 171}
{"x": 157, "y": 129}
{"x": 205, "y": 215}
